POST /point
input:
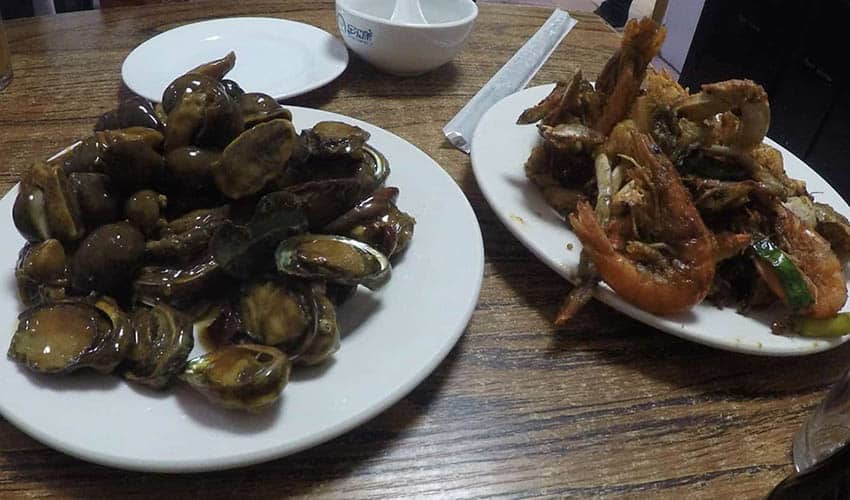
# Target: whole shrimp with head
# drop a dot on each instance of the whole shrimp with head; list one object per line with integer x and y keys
{"x": 812, "y": 254}
{"x": 662, "y": 259}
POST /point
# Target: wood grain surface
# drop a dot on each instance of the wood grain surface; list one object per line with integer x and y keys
{"x": 607, "y": 407}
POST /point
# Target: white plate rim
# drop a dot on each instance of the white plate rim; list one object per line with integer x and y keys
{"x": 465, "y": 312}
{"x": 489, "y": 184}
{"x": 332, "y": 75}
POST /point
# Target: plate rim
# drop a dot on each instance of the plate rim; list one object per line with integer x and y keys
{"x": 353, "y": 421}
{"x": 332, "y": 75}
{"x": 605, "y": 294}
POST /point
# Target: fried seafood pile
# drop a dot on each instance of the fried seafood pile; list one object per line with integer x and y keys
{"x": 676, "y": 199}
{"x": 206, "y": 206}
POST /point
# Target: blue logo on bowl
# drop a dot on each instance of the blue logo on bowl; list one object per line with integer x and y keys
{"x": 353, "y": 32}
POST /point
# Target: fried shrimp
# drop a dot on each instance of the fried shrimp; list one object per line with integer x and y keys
{"x": 636, "y": 162}
{"x": 745, "y": 98}
{"x": 674, "y": 270}
{"x": 619, "y": 82}
{"x": 729, "y": 244}
{"x": 814, "y": 257}
{"x": 573, "y": 102}
{"x": 661, "y": 93}
{"x": 552, "y": 103}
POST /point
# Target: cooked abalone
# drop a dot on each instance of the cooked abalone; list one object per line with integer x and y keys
{"x": 326, "y": 340}
{"x": 333, "y": 258}
{"x": 242, "y": 377}
{"x": 256, "y": 157}
{"x": 257, "y": 108}
{"x": 333, "y": 139}
{"x": 42, "y": 272}
{"x": 278, "y": 314}
{"x": 70, "y": 334}
{"x": 162, "y": 341}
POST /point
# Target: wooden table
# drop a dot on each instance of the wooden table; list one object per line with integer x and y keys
{"x": 606, "y": 407}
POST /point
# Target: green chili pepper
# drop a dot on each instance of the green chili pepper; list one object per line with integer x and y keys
{"x": 796, "y": 292}
{"x": 830, "y": 327}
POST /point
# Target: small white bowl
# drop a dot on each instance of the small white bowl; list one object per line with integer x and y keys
{"x": 403, "y": 48}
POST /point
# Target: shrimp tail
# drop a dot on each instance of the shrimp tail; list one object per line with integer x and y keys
{"x": 592, "y": 236}
{"x": 578, "y": 297}
{"x": 620, "y": 79}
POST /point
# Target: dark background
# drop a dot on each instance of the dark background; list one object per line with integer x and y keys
{"x": 798, "y": 51}
{"x": 11, "y": 9}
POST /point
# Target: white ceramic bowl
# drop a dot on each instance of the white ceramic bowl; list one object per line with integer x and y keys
{"x": 403, "y": 48}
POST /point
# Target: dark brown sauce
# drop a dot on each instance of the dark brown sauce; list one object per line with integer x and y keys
{"x": 211, "y": 340}
{"x": 219, "y": 330}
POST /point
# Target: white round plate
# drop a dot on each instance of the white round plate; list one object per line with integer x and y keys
{"x": 500, "y": 148}
{"x": 392, "y": 339}
{"x": 275, "y": 56}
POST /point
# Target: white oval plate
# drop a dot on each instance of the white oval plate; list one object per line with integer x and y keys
{"x": 500, "y": 148}
{"x": 392, "y": 339}
{"x": 275, "y": 56}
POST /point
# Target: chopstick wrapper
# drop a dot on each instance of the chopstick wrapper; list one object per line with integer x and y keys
{"x": 511, "y": 77}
